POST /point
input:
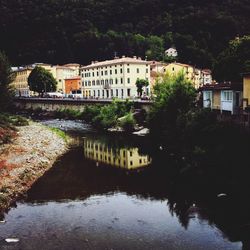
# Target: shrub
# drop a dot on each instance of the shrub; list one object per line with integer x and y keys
{"x": 127, "y": 122}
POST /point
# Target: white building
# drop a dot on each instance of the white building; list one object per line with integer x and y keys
{"x": 206, "y": 76}
{"x": 114, "y": 78}
{"x": 172, "y": 52}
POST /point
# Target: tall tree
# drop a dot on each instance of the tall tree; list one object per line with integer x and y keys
{"x": 6, "y": 77}
{"x": 175, "y": 96}
{"x": 41, "y": 80}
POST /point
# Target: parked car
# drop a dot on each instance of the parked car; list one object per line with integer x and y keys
{"x": 53, "y": 95}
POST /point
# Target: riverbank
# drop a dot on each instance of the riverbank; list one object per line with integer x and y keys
{"x": 27, "y": 158}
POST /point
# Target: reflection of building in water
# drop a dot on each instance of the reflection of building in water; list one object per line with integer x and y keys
{"x": 120, "y": 157}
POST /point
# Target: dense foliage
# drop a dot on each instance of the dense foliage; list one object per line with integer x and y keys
{"x": 235, "y": 59}
{"x": 105, "y": 117}
{"x": 6, "y": 77}
{"x": 175, "y": 96}
{"x": 60, "y": 31}
{"x": 41, "y": 81}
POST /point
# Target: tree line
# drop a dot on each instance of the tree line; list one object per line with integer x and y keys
{"x": 60, "y": 31}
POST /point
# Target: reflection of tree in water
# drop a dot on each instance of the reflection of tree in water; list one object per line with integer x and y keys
{"x": 231, "y": 216}
{"x": 81, "y": 179}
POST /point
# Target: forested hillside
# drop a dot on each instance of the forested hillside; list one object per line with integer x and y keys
{"x": 59, "y": 31}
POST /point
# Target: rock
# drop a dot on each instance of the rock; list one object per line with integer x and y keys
{"x": 142, "y": 132}
{"x": 221, "y": 195}
{"x": 12, "y": 240}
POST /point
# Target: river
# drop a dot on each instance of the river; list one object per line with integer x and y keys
{"x": 107, "y": 193}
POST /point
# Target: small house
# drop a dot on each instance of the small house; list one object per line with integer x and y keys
{"x": 225, "y": 97}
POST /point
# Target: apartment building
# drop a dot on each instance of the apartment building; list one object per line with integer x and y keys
{"x": 196, "y": 76}
{"x": 20, "y": 84}
{"x": 60, "y": 73}
{"x": 114, "y": 78}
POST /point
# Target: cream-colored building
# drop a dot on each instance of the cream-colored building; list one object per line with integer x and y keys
{"x": 128, "y": 158}
{"x": 114, "y": 78}
{"x": 60, "y": 73}
{"x": 196, "y": 76}
{"x": 20, "y": 84}
{"x": 171, "y": 52}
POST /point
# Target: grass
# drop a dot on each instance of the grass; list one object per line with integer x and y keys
{"x": 8, "y": 124}
{"x": 60, "y": 133}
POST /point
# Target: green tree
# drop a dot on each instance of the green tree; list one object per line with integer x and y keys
{"x": 155, "y": 46}
{"x": 234, "y": 60}
{"x": 140, "y": 84}
{"x": 41, "y": 80}
{"x": 6, "y": 77}
{"x": 175, "y": 96}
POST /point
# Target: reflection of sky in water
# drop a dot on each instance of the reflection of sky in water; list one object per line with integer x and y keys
{"x": 67, "y": 125}
{"x": 114, "y": 221}
{"x": 128, "y": 158}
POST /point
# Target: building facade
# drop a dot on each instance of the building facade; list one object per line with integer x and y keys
{"x": 60, "y": 73}
{"x": 246, "y": 90}
{"x": 196, "y": 76}
{"x": 114, "y": 78}
{"x": 171, "y": 52}
{"x": 73, "y": 84}
{"x": 225, "y": 97}
{"x": 20, "y": 84}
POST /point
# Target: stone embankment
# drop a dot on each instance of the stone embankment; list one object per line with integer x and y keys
{"x": 27, "y": 158}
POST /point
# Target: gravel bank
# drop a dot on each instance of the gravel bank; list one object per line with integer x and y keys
{"x": 26, "y": 159}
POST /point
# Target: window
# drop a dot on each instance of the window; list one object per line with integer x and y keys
{"x": 128, "y": 70}
{"x": 117, "y": 92}
{"x": 97, "y": 73}
{"x": 121, "y": 70}
{"x": 138, "y": 70}
{"x": 121, "y": 81}
{"x": 173, "y": 68}
{"x": 110, "y": 72}
{"x": 131, "y": 163}
{"x": 93, "y": 74}
{"x": 115, "y": 71}
{"x": 128, "y": 80}
{"x": 227, "y": 96}
{"x": 207, "y": 95}
{"x": 146, "y": 70}
{"x": 106, "y": 72}
{"x": 102, "y": 73}
{"x": 116, "y": 81}
{"x": 93, "y": 83}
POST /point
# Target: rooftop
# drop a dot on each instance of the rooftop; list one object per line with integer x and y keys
{"x": 223, "y": 86}
{"x": 121, "y": 60}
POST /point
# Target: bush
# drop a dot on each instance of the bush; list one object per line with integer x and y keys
{"x": 104, "y": 117}
{"x": 127, "y": 122}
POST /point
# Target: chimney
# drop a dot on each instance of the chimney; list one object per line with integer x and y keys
{"x": 134, "y": 57}
{"x": 123, "y": 56}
